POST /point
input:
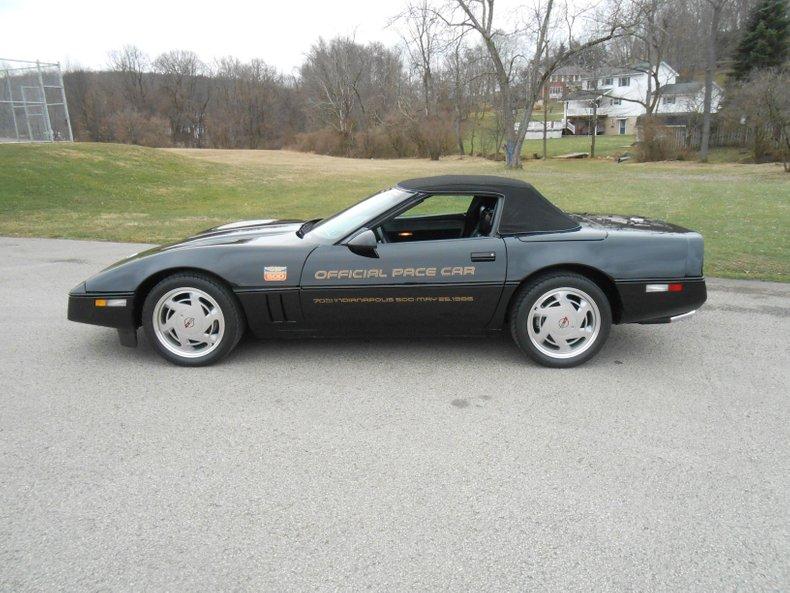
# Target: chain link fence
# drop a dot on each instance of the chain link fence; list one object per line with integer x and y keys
{"x": 33, "y": 103}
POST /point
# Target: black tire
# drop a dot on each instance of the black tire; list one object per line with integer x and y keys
{"x": 528, "y": 297}
{"x": 234, "y": 323}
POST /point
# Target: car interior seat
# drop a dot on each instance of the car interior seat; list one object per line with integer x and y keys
{"x": 485, "y": 222}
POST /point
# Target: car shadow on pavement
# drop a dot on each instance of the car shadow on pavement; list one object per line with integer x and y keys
{"x": 626, "y": 344}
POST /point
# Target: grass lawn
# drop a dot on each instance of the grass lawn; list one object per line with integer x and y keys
{"x": 127, "y": 193}
{"x": 606, "y": 145}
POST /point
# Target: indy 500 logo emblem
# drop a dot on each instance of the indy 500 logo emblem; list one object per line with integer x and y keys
{"x": 275, "y": 273}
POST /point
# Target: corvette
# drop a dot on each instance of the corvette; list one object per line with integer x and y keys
{"x": 449, "y": 255}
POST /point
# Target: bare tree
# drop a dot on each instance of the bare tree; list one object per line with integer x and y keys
{"x": 762, "y": 104}
{"x": 421, "y": 36}
{"x": 478, "y": 15}
{"x": 249, "y": 101}
{"x": 458, "y": 70}
{"x": 480, "y": 87}
{"x": 87, "y": 104}
{"x": 716, "y": 7}
{"x": 186, "y": 90}
{"x": 349, "y": 86}
{"x": 133, "y": 66}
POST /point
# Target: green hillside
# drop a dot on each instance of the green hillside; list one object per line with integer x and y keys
{"x": 128, "y": 193}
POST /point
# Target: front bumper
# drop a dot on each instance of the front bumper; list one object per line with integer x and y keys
{"x": 84, "y": 307}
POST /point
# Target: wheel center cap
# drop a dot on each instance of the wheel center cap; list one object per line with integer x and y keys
{"x": 564, "y": 322}
{"x": 189, "y": 322}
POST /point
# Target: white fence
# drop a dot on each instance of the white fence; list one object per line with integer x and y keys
{"x": 535, "y": 129}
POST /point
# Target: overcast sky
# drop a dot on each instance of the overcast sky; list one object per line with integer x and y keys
{"x": 81, "y": 32}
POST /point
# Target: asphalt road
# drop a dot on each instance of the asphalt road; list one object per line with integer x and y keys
{"x": 390, "y": 465}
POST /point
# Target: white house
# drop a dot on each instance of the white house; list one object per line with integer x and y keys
{"x": 620, "y": 94}
{"x": 686, "y": 97}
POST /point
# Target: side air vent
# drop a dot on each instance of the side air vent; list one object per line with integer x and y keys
{"x": 279, "y": 308}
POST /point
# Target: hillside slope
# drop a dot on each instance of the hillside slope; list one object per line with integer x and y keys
{"x": 129, "y": 193}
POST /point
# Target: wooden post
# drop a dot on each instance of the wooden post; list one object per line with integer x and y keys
{"x": 594, "y": 127}
{"x": 545, "y": 117}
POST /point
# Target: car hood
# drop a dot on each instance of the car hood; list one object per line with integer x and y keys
{"x": 261, "y": 232}
{"x": 262, "y": 226}
{"x": 242, "y": 231}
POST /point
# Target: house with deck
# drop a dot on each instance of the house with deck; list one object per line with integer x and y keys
{"x": 617, "y": 97}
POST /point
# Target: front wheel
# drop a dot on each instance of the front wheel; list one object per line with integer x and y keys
{"x": 560, "y": 319}
{"x": 192, "y": 320}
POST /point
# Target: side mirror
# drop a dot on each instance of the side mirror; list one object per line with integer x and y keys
{"x": 364, "y": 243}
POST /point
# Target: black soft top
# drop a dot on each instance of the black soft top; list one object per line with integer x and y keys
{"x": 525, "y": 210}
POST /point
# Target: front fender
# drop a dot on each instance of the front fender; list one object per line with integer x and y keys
{"x": 241, "y": 266}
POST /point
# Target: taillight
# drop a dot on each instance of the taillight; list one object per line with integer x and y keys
{"x": 674, "y": 287}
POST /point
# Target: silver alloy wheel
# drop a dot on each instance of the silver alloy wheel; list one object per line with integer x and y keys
{"x": 188, "y": 322}
{"x": 564, "y": 323}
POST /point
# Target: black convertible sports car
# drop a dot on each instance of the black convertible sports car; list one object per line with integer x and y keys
{"x": 452, "y": 255}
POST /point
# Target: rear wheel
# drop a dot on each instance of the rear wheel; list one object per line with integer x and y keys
{"x": 560, "y": 319}
{"x": 192, "y": 320}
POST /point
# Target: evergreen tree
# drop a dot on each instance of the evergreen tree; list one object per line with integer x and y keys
{"x": 764, "y": 43}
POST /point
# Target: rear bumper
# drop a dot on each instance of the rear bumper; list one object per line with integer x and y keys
{"x": 83, "y": 308}
{"x": 683, "y": 316}
{"x": 641, "y": 306}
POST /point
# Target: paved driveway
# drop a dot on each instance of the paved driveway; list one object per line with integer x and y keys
{"x": 391, "y": 465}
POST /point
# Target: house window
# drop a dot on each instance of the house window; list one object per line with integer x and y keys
{"x": 616, "y": 102}
{"x": 607, "y": 82}
{"x": 624, "y": 81}
{"x": 621, "y": 124}
{"x": 668, "y": 100}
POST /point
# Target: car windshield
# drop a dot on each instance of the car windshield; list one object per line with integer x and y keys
{"x": 343, "y": 223}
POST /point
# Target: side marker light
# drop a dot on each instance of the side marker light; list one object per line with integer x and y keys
{"x": 110, "y": 302}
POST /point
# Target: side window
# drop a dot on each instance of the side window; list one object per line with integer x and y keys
{"x": 438, "y": 206}
{"x": 441, "y": 216}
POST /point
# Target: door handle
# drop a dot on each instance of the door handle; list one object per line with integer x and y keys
{"x": 483, "y": 256}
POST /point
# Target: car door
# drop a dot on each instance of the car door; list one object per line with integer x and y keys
{"x": 445, "y": 286}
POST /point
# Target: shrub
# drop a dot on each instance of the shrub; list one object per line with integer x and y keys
{"x": 131, "y": 127}
{"x": 324, "y": 141}
{"x": 432, "y": 137}
{"x": 389, "y": 140}
{"x": 657, "y": 142}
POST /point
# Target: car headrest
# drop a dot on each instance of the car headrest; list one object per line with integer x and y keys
{"x": 486, "y": 220}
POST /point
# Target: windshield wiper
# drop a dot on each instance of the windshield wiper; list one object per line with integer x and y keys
{"x": 306, "y": 226}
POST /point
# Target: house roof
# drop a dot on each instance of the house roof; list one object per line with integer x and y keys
{"x": 635, "y": 68}
{"x": 682, "y": 88}
{"x": 610, "y": 71}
